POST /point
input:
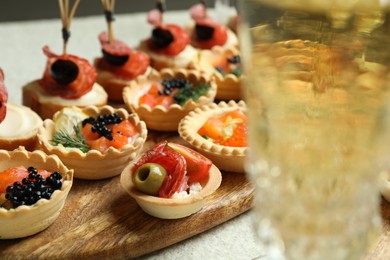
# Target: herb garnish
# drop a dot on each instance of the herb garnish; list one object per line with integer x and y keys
{"x": 190, "y": 92}
{"x": 64, "y": 138}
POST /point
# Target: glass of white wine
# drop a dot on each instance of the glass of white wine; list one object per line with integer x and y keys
{"x": 317, "y": 89}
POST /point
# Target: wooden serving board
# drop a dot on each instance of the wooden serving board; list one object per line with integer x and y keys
{"x": 100, "y": 220}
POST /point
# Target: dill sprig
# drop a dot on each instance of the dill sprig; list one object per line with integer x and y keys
{"x": 64, "y": 138}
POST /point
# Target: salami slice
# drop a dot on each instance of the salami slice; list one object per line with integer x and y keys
{"x": 117, "y": 48}
{"x": 3, "y": 97}
{"x": 180, "y": 41}
{"x": 218, "y": 37}
{"x": 82, "y": 84}
{"x": 136, "y": 65}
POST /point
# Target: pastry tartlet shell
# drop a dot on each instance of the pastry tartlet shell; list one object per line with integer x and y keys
{"x": 28, "y": 220}
{"x": 166, "y": 208}
{"x": 226, "y": 158}
{"x": 160, "y": 118}
{"x": 47, "y": 109}
{"x": 94, "y": 164}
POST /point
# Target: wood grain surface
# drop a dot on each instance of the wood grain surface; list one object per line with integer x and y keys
{"x": 100, "y": 220}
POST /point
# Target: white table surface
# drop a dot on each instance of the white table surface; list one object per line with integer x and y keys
{"x": 22, "y": 60}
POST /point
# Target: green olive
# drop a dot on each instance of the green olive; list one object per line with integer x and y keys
{"x": 149, "y": 178}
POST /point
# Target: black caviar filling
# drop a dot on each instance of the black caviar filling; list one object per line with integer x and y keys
{"x": 186, "y": 90}
{"x": 33, "y": 188}
{"x": 100, "y": 124}
{"x": 234, "y": 60}
{"x": 170, "y": 84}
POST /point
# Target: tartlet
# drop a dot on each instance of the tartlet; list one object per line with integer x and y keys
{"x": 161, "y": 118}
{"x": 229, "y": 84}
{"x": 226, "y": 158}
{"x": 207, "y": 33}
{"x": 19, "y": 128}
{"x": 95, "y": 164}
{"x": 28, "y": 220}
{"x": 169, "y": 44}
{"x": 168, "y": 208}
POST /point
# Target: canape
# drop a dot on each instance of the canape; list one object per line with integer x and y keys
{"x": 100, "y": 142}
{"x": 19, "y": 128}
{"x": 50, "y": 94}
{"x": 35, "y": 207}
{"x": 119, "y": 63}
{"x": 163, "y": 98}
{"x": 225, "y": 143}
{"x": 68, "y": 80}
{"x": 169, "y": 45}
{"x": 206, "y": 32}
{"x": 171, "y": 181}
{"x": 18, "y": 124}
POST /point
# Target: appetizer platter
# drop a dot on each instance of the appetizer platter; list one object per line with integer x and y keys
{"x": 106, "y": 161}
{"x": 134, "y": 144}
{"x": 105, "y": 221}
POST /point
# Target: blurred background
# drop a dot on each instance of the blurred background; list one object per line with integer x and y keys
{"x": 20, "y": 10}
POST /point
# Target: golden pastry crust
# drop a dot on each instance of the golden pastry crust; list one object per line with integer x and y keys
{"x": 30, "y": 143}
{"x": 28, "y": 220}
{"x": 94, "y": 164}
{"x": 229, "y": 87}
{"x": 35, "y": 98}
{"x": 160, "y": 118}
{"x": 27, "y": 138}
{"x": 226, "y": 158}
{"x": 167, "y": 208}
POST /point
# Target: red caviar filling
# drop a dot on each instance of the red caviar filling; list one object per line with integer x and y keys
{"x": 229, "y": 129}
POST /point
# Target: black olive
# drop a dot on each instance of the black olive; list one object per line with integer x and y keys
{"x": 234, "y": 60}
{"x": 161, "y": 38}
{"x": 64, "y": 71}
{"x": 115, "y": 60}
{"x": 204, "y": 32}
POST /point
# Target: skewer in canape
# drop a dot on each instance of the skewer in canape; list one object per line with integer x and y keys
{"x": 119, "y": 64}
{"x": 169, "y": 45}
{"x": 207, "y": 32}
{"x": 68, "y": 80}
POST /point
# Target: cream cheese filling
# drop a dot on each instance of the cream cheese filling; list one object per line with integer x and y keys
{"x": 181, "y": 60}
{"x": 96, "y": 95}
{"x": 20, "y": 122}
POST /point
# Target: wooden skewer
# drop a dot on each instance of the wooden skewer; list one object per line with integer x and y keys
{"x": 160, "y": 5}
{"x": 66, "y": 19}
{"x": 205, "y": 6}
{"x": 108, "y": 6}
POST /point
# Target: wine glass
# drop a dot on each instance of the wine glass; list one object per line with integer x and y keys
{"x": 317, "y": 89}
